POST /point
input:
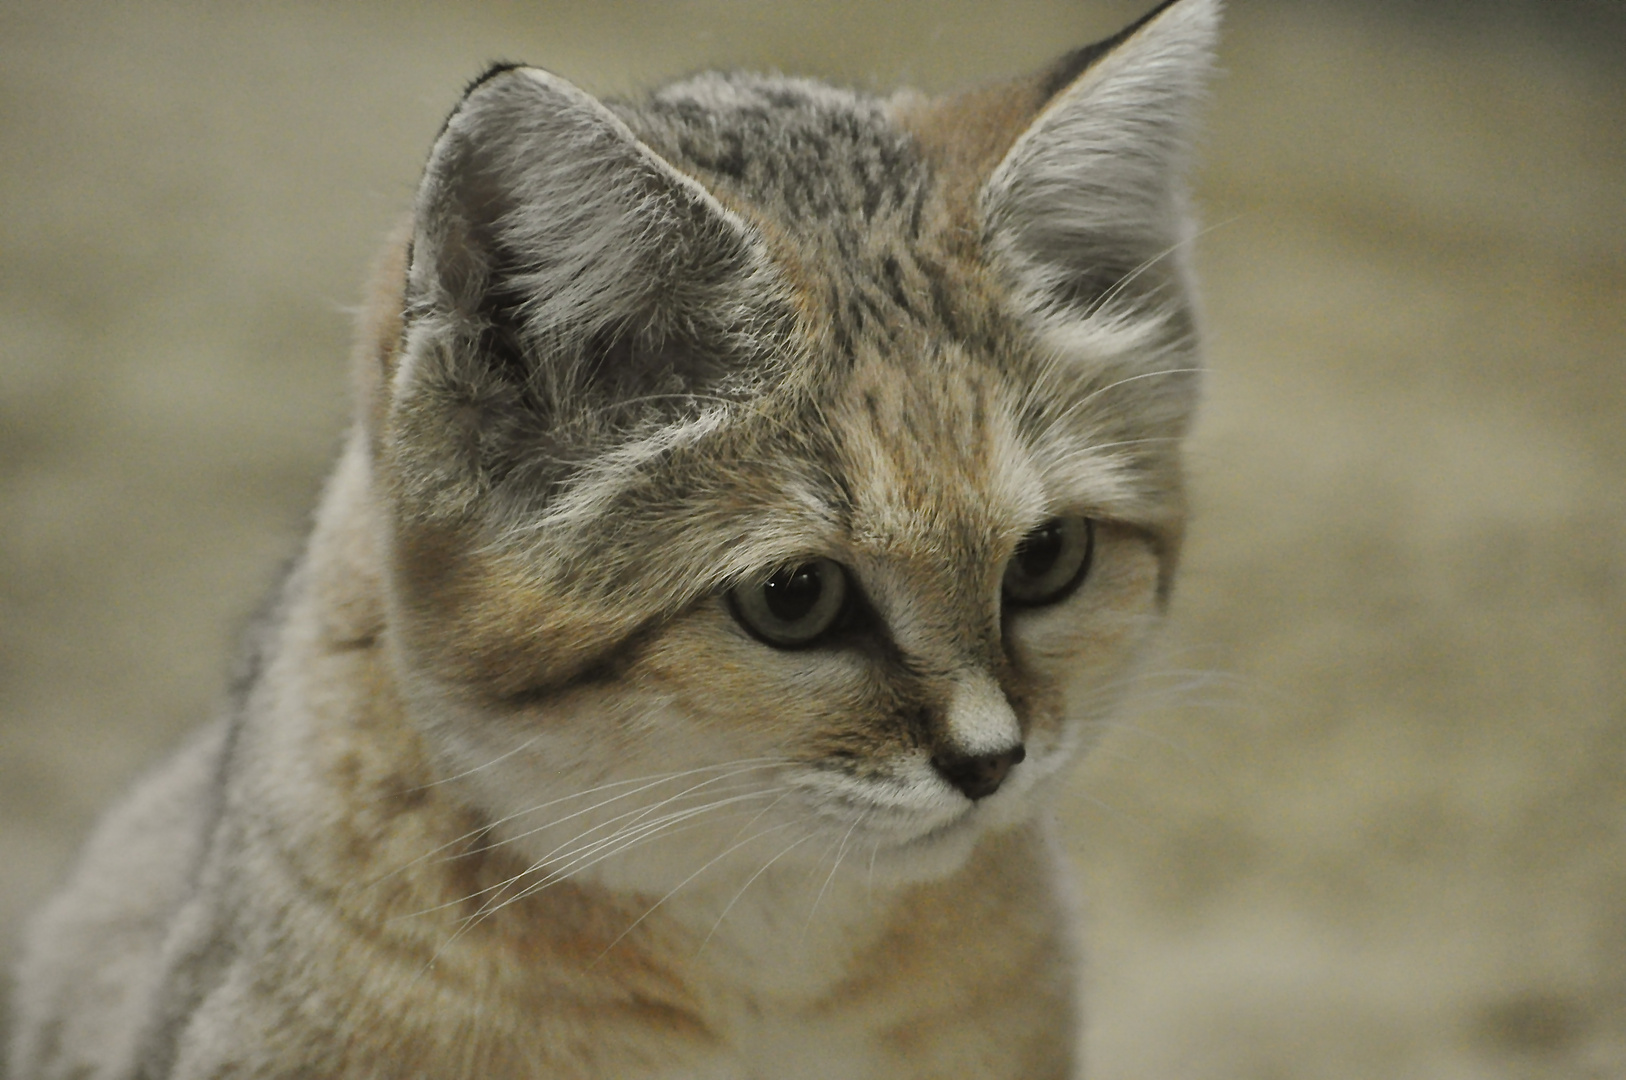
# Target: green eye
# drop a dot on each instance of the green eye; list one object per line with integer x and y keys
{"x": 1050, "y": 562}
{"x": 795, "y": 605}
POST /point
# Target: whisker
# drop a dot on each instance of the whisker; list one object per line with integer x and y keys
{"x": 1127, "y": 279}
{"x": 550, "y": 856}
{"x": 488, "y": 826}
{"x": 748, "y": 883}
{"x": 636, "y": 812}
{"x": 673, "y": 892}
{"x": 840, "y": 853}
{"x": 560, "y": 866}
{"x": 1088, "y": 449}
{"x": 647, "y": 782}
{"x": 492, "y": 907}
{"x": 526, "y": 745}
{"x": 782, "y": 797}
{"x": 1117, "y": 815}
{"x": 1078, "y": 405}
{"x": 622, "y": 839}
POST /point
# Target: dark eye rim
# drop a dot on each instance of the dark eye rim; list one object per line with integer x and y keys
{"x": 1061, "y": 592}
{"x": 852, "y": 604}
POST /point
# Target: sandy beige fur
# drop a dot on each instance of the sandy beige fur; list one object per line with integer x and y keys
{"x": 508, "y": 790}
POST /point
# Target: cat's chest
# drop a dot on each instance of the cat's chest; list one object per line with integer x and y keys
{"x": 780, "y": 1001}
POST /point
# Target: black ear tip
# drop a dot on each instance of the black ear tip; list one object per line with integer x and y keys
{"x": 493, "y": 70}
{"x": 1077, "y": 62}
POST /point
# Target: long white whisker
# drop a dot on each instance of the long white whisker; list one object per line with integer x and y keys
{"x": 764, "y": 810}
{"x": 841, "y": 851}
{"x": 636, "y": 814}
{"x": 554, "y": 855}
{"x": 559, "y": 866}
{"x": 488, "y": 826}
{"x": 646, "y": 832}
{"x": 713, "y": 861}
{"x": 1116, "y": 814}
{"x": 748, "y": 883}
{"x": 744, "y": 768}
{"x": 622, "y": 839}
{"x": 1078, "y": 405}
{"x": 1095, "y": 448}
{"x": 522, "y": 747}
{"x": 1124, "y": 282}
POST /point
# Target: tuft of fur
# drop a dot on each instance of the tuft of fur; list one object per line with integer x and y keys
{"x": 507, "y": 788}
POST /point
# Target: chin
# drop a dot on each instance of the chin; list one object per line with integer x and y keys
{"x": 942, "y": 850}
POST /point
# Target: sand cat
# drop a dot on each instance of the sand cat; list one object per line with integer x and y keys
{"x": 758, "y": 495}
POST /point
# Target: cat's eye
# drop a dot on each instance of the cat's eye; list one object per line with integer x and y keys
{"x": 1050, "y": 562}
{"x": 794, "y": 606}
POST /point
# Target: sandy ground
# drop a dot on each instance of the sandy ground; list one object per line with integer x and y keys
{"x": 1368, "y": 821}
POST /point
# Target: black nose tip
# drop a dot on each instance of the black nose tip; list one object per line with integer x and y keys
{"x": 978, "y": 775}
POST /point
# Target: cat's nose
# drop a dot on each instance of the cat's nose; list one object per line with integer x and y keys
{"x": 978, "y": 776}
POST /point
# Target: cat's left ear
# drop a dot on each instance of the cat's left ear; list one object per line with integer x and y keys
{"x": 567, "y": 289}
{"x": 1092, "y": 191}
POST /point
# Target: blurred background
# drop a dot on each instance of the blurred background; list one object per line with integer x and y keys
{"x": 1369, "y": 819}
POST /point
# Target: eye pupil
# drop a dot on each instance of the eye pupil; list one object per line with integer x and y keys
{"x": 1050, "y": 561}
{"x": 1038, "y": 551}
{"x": 793, "y": 606}
{"x": 791, "y": 594}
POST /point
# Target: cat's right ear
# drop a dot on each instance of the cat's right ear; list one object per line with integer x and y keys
{"x": 560, "y": 268}
{"x": 1091, "y": 192}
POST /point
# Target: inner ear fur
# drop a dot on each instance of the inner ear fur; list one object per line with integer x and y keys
{"x": 1074, "y": 175}
{"x": 563, "y": 276}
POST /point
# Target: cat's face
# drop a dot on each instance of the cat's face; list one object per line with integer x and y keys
{"x": 768, "y": 465}
{"x": 961, "y": 609}
{"x": 941, "y": 620}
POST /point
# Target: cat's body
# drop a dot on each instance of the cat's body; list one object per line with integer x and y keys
{"x": 759, "y": 495}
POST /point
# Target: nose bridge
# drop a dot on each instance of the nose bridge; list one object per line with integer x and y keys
{"x": 944, "y": 616}
{"x": 953, "y": 639}
{"x": 941, "y": 603}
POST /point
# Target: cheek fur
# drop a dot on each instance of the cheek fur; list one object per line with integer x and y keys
{"x": 809, "y": 705}
{"x": 1073, "y": 656}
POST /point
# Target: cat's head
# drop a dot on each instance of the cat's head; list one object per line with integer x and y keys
{"x": 766, "y": 458}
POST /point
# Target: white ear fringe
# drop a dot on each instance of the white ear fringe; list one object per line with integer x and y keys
{"x": 1097, "y": 178}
